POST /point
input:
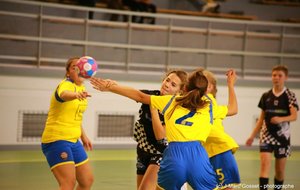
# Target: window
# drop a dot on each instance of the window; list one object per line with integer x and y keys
{"x": 31, "y": 125}
{"x": 115, "y": 126}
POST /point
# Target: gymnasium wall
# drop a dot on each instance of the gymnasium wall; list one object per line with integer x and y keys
{"x": 33, "y": 94}
{"x": 26, "y": 84}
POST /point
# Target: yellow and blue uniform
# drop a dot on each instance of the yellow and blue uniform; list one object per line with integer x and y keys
{"x": 220, "y": 147}
{"x": 63, "y": 127}
{"x": 185, "y": 159}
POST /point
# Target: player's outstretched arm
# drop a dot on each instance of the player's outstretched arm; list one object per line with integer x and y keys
{"x": 68, "y": 95}
{"x": 232, "y": 100}
{"x": 112, "y": 86}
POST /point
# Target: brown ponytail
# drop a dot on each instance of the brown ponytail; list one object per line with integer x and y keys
{"x": 195, "y": 89}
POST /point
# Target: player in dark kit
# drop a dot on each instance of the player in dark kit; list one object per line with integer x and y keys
{"x": 279, "y": 107}
{"x": 150, "y": 146}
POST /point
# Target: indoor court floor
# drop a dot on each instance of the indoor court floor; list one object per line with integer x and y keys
{"x": 115, "y": 170}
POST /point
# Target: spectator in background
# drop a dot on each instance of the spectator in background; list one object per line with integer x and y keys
{"x": 211, "y": 6}
{"x": 206, "y": 5}
{"x": 133, "y": 5}
{"x": 147, "y": 6}
{"x": 88, "y": 3}
{"x": 118, "y": 5}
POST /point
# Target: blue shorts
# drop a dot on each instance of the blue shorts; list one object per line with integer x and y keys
{"x": 226, "y": 169}
{"x": 64, "y": 152}
{"x": 186, "y": 162}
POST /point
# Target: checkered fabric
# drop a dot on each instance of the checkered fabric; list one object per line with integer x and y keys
{"x": 140, "y": 137}
{"x": 266, "y": 137}
{"x": 292, "y": 98}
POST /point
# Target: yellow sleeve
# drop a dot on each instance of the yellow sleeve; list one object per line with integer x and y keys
{"x": 220, "y": 111}
{"x": 161, "y": 102}
{"x": 65, "y": 86}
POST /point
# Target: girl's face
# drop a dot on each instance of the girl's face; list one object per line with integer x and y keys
{"x": 170, "y": 85}
{"x": 73, "y": 73}
{"x": 278, "y": 78}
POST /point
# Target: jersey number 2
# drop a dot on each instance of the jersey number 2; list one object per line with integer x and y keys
{"x": 182, "y": 120}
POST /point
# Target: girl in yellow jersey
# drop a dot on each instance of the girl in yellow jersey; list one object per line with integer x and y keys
{"x": 60, "y": 140}
{"x": 219, "y": 145}
{"x": 188, "y": 123}
{"x": 149, "y": 145}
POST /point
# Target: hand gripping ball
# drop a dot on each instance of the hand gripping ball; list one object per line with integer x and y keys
{"x": 87, "y": 66}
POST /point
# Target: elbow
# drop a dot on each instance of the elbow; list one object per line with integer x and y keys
{"x": 295, "y": 117}
{"x": 235, "y": 112}
{"x": 139, "y": 97}
{"x": 232, "y": 111}
{"x": 145, "y": 99}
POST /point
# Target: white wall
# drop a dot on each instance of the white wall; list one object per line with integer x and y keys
{"x": 33, "y": 94}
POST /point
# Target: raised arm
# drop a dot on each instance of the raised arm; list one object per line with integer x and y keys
{"x": 232, "y": 101}
{"x": 109, "y": 85}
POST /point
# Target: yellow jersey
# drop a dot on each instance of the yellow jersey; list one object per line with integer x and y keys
{"x": 64, "y": 117}
{"x": 183, "y": 125}
{"x": 218, "y": 141}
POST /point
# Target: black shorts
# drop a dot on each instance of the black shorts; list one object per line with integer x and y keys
{"x": 280, "y": 151}
{"x": 144, "y": 159}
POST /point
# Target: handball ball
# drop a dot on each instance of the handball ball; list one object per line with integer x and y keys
{"x": 87, "y": 67}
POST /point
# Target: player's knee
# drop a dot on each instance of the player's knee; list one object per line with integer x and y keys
{"x": 89, "y": 181}
{"x": 265, "y": 164}
{"x": 86, "y": 182}
{"x": 68, "y": 183}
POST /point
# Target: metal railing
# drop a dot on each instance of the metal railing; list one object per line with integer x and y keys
{"x": 251, "y": 47}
